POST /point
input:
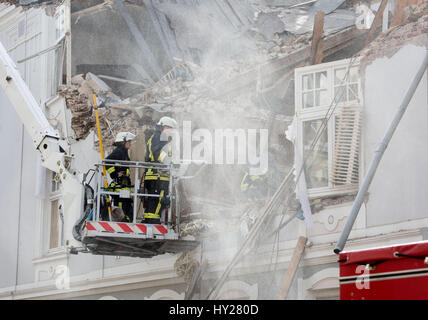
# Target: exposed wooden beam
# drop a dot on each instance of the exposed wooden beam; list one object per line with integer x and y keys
{"x": 292, "y": 267}
{"x": 317, "y": 43}
{"x": 399, "y": 17}
{"x": 376, "y": 21}
{"x": 339, "y": 47}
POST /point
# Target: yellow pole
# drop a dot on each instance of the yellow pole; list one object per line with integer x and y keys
{"x": 97, "y": 117}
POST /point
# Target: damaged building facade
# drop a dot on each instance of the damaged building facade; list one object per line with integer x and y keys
{"x": 325, "y": 85}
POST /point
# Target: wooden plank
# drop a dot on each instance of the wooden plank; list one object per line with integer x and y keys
{"x": 338, "y": 47}
{"x": 400, "y": 5}
{"x": 292, "y": 267}
{"x": 376, "y": 21}
{"x": 398, "y": 17}
{"x": 317, "y": 44}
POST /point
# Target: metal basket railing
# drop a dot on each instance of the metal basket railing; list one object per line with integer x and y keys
{"x": 136, "y": 192}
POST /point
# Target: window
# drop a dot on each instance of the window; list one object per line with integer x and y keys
{"x": 55, "y": 219}
{"x": 322, "y": 90}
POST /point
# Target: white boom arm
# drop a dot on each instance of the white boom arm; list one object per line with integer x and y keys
{"x": 45, "y": 139}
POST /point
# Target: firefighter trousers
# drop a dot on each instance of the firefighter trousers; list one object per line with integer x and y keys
{"x": 153, "y": 206}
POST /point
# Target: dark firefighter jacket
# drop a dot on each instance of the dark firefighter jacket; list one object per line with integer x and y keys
{"x": 120, "y": 153}
{"x": 157, "y": 151}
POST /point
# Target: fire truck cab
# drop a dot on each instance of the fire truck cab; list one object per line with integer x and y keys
{"x": 397, "y": 272}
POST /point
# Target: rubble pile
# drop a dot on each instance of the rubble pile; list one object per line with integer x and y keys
{"x": 82, "y": 121}
{"x": 79, "y": 100}
{"x": 192, "y": 93}
{"x": 280, "y": 29}
{"x": 280, "y": 44}
{"x": 185, "y": 265}
{"x": 189, "y": 89}
{"x": 195, "y": 227}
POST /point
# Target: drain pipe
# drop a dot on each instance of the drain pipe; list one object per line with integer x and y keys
{"x": 378, "y": 156}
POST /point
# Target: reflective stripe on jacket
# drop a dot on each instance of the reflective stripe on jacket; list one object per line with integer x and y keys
{"x": 159, "y": 152}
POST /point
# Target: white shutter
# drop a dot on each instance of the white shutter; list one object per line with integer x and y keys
{"x": 346, "y": 146}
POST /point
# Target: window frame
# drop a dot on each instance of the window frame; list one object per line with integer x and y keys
{"x": 53, "y": 195}
{"x": 319, "y": 113}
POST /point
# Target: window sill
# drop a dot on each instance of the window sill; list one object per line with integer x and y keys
{"x": 332, "y": 192}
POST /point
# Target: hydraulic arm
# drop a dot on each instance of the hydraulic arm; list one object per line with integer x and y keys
{"x": 54, "y": 152}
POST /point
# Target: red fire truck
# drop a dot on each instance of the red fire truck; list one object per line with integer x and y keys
{"x": 397, "y": 272}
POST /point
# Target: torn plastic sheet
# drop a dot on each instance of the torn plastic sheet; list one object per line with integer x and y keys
{"x": 301, "y": 188}
{"x": 302, "y": 192}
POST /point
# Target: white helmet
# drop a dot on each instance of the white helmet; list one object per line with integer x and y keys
{"x": 167, "y": 121}
{"x": 124, "y": 136}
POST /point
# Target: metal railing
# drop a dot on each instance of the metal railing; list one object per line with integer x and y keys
{"x": 136, "y": 192}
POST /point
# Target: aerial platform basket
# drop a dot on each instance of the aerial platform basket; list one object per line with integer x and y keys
{"x": 107, "y": 237}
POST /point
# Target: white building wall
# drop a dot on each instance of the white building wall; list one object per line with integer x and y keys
{"x": 21, "y": 34}
{"x": 400, "y": 187}
{"x": 10, "y": 161}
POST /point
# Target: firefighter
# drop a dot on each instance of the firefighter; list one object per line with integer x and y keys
{"x": 257, "y": 187}
{"x": 158, "y": 150}
{"x": 253, "y": 187}
{"x": 120, "y": 174}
